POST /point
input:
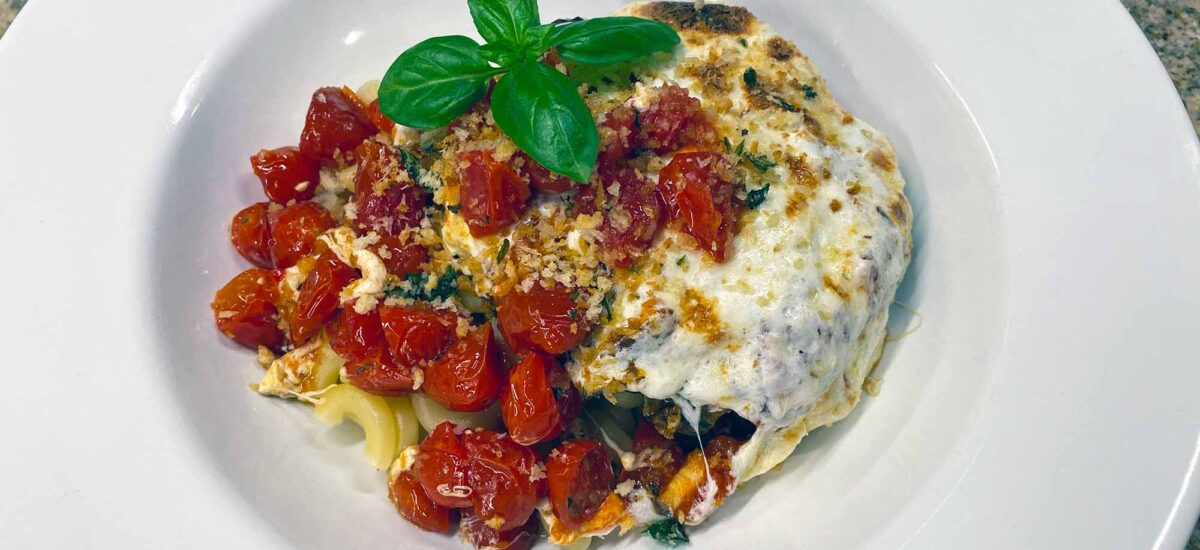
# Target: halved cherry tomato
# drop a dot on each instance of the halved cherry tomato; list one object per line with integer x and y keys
{"x": 379, "y": 374}
{"x": 633, "y": 220}
{"x": 334, "y": 123}
{"x": 656, "y": 458}
{"x": 414, "y": 504}
{"x": 548, "y": 320}
{"x": 319, "y": 296}
{"x": 501, "y": 476}
{"x": 580, "y": 477}
{"x": 245, "y": 309}
{"x": 619, "y": 136}
{"x": 676, "y": 119}
{"x": 286, "y": 175}
{"x": 539, "y": 176}
{"x": 441, "y": 467}
{"x": 539, "y": 401}
{"x": 400, "y": 256}
{"x": 585, "y": 200}
{"x": 251, "y": 234}
{"x": 698, "y": 190}
{"x": 295, "y": 229}
{"x": 491, "y": 194}
{"x": 386, "y": 199}
{"x": 473, "y": 528}
{"x": 356, "y": 336}
{"x": 417, "y": 335}
{"x": 470, "y": 376}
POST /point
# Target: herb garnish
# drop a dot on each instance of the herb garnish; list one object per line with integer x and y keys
{"x": 668, "y": 531}
{"x": 538, "y": 107}
{"x": 761, "y": 162}
{"x": 755, "y": 197}
{"x": 446, "y": 286}
{"x": 809, "y": 92}
{"x": 503, "y": 251}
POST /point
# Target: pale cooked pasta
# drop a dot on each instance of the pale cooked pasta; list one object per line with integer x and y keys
{"x": 430, "y": 414}
{"x": 408, "y": 429}
{"x": 370, "y": 412}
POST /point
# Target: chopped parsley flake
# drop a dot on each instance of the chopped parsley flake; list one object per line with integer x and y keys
{"x": 786, "y": 106}
{"x": 728, "y": 145}
{"x": 606, "y": 303}
{"x": 750, "y": 77}
{"x": 413, "y": 287}
{"x": 809, "y": 92}
{"x": 682, "y": 260}
{"x": 503, "y": 251}
{"x": 755, "y": 197}
{"x": 453, "y": 207}
{"x": 761, "y": 162}
{"x": 412, "y": 165}
{"x": 668, "y": 531}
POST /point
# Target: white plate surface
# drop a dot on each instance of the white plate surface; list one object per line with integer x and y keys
{"x": 1047, "y": 399}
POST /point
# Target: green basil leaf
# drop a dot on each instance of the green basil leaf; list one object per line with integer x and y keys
{"x": 498, "y": 20}
{"x": 668, "y": 531}
{"x": 502, "y": 53}
{"x": 435, "y": 81}
{"x": 607, "y": 40}
{"x": 541, "y": 111}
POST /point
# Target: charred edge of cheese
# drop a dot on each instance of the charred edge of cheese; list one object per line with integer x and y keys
{"x": 303, "y": 372}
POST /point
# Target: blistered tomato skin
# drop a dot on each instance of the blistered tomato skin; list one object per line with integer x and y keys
{"x": 319, "y": 296}
{"x": 675, "y": 120}
{"x": 580, "y": 477}
{"x": 657, "y": 457}
{"x": 401, "y": 256}
{"x": 698, "y": 190}
{"x": 245, "y": 309}
{"x": 547, "y": 320}
{"x": 539, "y": 400}
{"x": 356, "y": 336}
{"x": 294, "y": 231}
{"x": 470, "y": 375}
{"x": 386, "y": 200}
{"x": 334, "y": 123}
{"x": 441, "y": 467}
{"x": 417, "y": 335}
{"x": 380, "y": 120}
{"x": 630, "y": 225}
{"x": 286, "y": 174}
{"x": 501, "y": 475}
{"x": 492, "y": 195}
{"x": 250, "y": 233}
{"x": 477, "y": 532}
{"x": 414, "y": 504}
{"x": 380, "y": 375}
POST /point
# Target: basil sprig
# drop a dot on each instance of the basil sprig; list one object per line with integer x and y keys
{"x": 436, "y": 81}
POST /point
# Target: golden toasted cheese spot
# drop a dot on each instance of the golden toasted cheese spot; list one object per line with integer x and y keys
{"x": 881, "y": 160}
{"x": 699, "y": 315}
{"x": 796, "y": 204}
{"x": 714, "y": 18}
{"x": 833, "y": 286}
{"x": 835, "y": 205}
{"x": 780, "y": 49}
{"x": 801, "y": 171}
{"x": 900, "y": 211}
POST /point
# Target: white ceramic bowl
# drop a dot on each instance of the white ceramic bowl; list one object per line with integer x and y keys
{"x": 1046, "y": 399}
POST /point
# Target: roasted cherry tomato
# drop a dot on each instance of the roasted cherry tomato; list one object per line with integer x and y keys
{"x": 380, "y": 120}
{"x": 356, "y": 336}
{"x": 539, "y": 401}
{"x": 491, "y": 194}
{"x": 580, "y": 477}
{"x": 675, "y": 119}
{"x": 470, "y": 376}
{"x": 319, "y": 296}
{"x": 548, "y": 320}
{"x": 386, "y": 199}
{"x": 632, "y": 221}
{"x": 539, "y": 176}
{"x": 473, "y": 528}
{"x": 400, "y": 255}
{"x": 441, "y": 467}
{"x": 501, "y": 475}
{"x": 294, "y": 231}
{"x": 587, "y": 201}
{"x": 698, "y": 190}
{"x": 286, "y": 175}
{"x": 245, "y": 309}
{"x": 619, "y": 136}
{"x": 414, "y": 504}
{"x": 417, "y": 335}
{"x": 379, "y": 374}
{"x": 334, "y": 123}
{"x": 251, "y": 234}
{"x": 657, "y": 458}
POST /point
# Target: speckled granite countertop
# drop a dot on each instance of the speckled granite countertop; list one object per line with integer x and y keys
{"x": 1173, "y": 27}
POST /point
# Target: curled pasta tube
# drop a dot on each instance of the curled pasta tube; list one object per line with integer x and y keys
{"x": 370, "y": 412}
{"x": 407, "y": 426}
{"x": 430, "y": 414}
